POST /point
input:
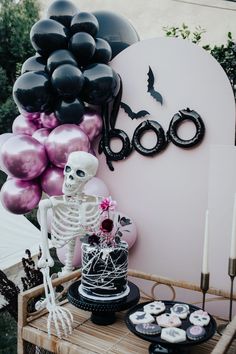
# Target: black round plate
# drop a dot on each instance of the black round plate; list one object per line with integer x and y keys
{"x": 210, "y": 328}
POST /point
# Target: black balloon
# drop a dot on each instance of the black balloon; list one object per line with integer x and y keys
{"x": 60, "y": 57}
{"x": 101, "y": 84}
{"x": 116, "y": 30}
{"x": 177, "y": 120}
{"x": 67, "y": 80}
{"x": 35, "y": 63}
{"x": 149, "y": 125}
{"x": 70, "y": 111}
{"x": 84, "y": 22}
{"x": 82, "y": 46}
{"x": 62, "y": 11}
{"x": 103, "y": 52}
{"x": 31, "y": 91}
{"x": 47, "y": 36}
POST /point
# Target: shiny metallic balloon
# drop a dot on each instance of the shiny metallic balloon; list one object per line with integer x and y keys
{"x": 52, "y": 180}
{"x": 23, "y": 125}
{"x": 101, "y": 84}
{"x": 60, "y": 57}
{"x": 67, "y": 80}
{"x": 32, "y": 91}
{"x": 70, "y": 111}
{"x": 3, "y": 138}
{"x": 23, "y": 157}
{"x": 103, "y": 52}
{"x": 63, "y": 140}
{"x": 62, "y": 11}
{"x": 20, "y": 197}
{"x": 48, "y": 35}
{"x": 83, "y": 46}
{"x": 84, "y": 22}
{"x": 96, "y": 186}
{"x": 29, "y": 115}
{"x": 34, "y": 63}
{"x": 91, "y": 124}
{"x": 49, "y": 120}
{"x": 116, "y": 30}
{"x": 41, "y": 135}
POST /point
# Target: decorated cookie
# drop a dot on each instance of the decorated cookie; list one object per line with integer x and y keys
{"x": 141, "y": 317}
{"x": 199, "y": 318}
{"x": 168, "y": 320}
{"x": 180, "y": 310}
{"x": 155, "y": 307}
{"x": 173, "y": 335}
{"x": 195, "y": 332}
{"x": 148, "y": 328}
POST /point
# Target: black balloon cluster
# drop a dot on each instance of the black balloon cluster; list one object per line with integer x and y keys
{"x": 70, "y": 66}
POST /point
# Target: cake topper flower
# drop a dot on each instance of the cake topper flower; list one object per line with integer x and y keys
{"x": 109, "y": 232}
{"x": 108, "y": 204}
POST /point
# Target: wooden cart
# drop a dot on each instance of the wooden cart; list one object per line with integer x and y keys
{"x": 88, "y": 338}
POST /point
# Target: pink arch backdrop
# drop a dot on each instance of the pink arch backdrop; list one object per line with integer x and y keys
{"x": 167, "y": 195}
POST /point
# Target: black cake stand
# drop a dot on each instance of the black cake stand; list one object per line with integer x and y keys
{"x": 103, "y": 312}
{"x": 159, "y": 345}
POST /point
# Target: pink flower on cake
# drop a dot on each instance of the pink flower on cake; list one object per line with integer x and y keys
{"x": 108, "y": 204}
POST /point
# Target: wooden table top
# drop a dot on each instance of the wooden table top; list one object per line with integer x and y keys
{"x": 88, "y": 338}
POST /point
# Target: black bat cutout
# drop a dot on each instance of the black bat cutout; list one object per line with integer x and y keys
{"x": 155, "y": 94}
{"x": 132, "y": 114}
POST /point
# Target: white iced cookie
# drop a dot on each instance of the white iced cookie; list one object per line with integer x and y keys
{"x": 173, "y": 335}
{"x": 180, "y": 310}
{"x": 199, "y": 318}
{"x": 154, "y": 307}
{"x": 168, "y": 320}
{"x": 141, "y": 317}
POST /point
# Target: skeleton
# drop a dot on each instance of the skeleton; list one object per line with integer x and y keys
{"x": 74, "y": 215}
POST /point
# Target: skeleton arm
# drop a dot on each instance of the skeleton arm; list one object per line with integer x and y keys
{"x": 61, "y": 317}
{"x": 45, "y": 260}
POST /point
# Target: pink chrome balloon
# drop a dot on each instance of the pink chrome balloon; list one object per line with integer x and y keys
{"x": 3, "y": 138}
{"x": 49, "y": 120}
{"x": 30, "y": 115}
{"x": 63, "y": 140}
{"x": 91, "y": 124}
{"x": 96, "y": 186}
{"x": 23, "y": 157}
{"x": 52, "y": 180}
{"x": 20, "y": 197}
{"x": 23, "y": 125}
{"x": 76, "y": 261}
{"x": 41, "y": 135}
{"x": 130, "y": 235}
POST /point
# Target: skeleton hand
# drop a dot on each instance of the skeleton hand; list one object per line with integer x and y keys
{"x": 61, "y": 317}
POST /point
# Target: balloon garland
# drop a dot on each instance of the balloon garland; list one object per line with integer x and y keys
{"x": 69, "y": 72}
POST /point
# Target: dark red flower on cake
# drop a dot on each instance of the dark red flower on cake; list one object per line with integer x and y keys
{"x": 93, "y": 239}
{"x": 107, "y": 225}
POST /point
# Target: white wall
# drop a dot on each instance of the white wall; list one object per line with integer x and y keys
{"x": 149, "y": 16}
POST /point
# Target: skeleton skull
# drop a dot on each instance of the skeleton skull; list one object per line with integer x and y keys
{"x": 79, "y": 169}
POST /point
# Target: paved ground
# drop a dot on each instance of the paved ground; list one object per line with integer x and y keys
{"x": 149, "y": 16}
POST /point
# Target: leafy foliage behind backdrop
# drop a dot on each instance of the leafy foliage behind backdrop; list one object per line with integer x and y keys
{"x": 16, "y": 20}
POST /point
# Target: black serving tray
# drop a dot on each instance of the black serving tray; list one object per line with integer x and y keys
{"x": 156, "y": 339}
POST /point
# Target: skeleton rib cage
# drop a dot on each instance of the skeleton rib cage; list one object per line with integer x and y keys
{"x": 73, "y": 219}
